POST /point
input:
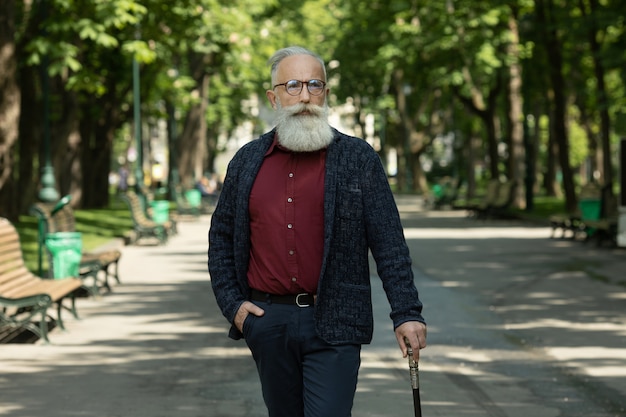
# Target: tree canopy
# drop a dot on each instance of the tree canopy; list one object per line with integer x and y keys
{"x": 529, "y": 90}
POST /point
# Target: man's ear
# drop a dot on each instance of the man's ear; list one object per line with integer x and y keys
{"x": 271, "y": 96}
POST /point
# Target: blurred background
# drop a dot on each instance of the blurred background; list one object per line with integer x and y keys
{"x": 100, "y": 95}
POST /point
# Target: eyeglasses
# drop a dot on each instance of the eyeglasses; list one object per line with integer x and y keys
{"x": 294, "y": 87}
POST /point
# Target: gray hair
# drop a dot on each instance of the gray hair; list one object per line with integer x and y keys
{"x": 281, "y": 54}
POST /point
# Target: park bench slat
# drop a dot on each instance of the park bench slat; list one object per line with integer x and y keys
{"x": 143, "y": 226}
{"x": 600, "y": 224}
{"x": 25, "y": 297}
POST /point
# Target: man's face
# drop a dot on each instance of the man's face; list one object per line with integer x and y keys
{"x": 302, "y": 68}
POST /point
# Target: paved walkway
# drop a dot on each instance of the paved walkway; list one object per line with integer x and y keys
{"x": 519, "y": 325}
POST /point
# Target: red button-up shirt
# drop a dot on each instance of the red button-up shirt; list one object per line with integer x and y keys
{"x": 287, "y": 222}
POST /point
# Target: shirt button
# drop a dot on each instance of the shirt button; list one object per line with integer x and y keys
{"x": 291, "y": 252}
{"x": 290, "y": 226}
{"x": 291, "y": 175}
{"x": 289, "y": 200}
{"x": 294, "y": 279}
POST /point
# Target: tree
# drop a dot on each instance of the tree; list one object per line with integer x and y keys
{"x": 77, "y": 47}
{"x": 9, "y": 107}
{"x": 546, "y": 21}
{"x": 518, "y": 163}
{"x": 482, "y": 72}
{"x": 467, "y": 49}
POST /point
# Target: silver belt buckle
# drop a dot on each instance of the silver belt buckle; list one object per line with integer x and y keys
{"x": 298, "y": 300}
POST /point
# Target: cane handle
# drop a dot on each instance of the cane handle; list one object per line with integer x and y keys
{"x": 413, "y": 367}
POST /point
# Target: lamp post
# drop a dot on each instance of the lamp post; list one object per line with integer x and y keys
{"x": 48, "y": 192}
{"x": 137, "y": 121}
{"x": 174, "y": 179}
{"x": 620, "y": 129}
{"x": 172, "y": 140}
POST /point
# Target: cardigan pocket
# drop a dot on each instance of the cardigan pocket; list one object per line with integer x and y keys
{"x": 354, "y": 305}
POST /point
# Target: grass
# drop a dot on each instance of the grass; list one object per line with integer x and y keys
{"x": 543, "y": 208}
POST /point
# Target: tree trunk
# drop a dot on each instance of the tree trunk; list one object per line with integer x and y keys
{"x": 192, "y": 142}
{"x": 471, "y": 147}
{"x": 30, "y": 132}
{"x": 98, "y": 123}
{"x": 517, "y": 167}
{"x": 420, "y": 184}
{"x": 485, "y": 110}
{"x": 66, "y": 143}
{"x": 172, "y": 144}
{"x": 603, "y": 105}
{"x": 401, "y": 176}
{"x": 10, "y": 97}
{"x": 406, "y": 128}
{"x": 595, "y": 154}
{"x": 492, "y": 143}
{"x": 103, "y": 116}
{"x": 548, "y": 26}
{"x": 211, "y": 150}
{"x": 550, "y": 181}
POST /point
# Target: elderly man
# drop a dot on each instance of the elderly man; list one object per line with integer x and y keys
{"x": 300, "y": 209}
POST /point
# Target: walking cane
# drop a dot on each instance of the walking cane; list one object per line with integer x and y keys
{"x": 415, "y": 380}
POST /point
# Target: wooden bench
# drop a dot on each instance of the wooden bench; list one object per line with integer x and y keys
{"x": 209, "y": 202}
{"x": 477, "y": 206}
{"x": 142, "y": 225}
{"x": 588, "y": 210}
{"x": 503, "y": 201}
{"x": 604, "y": 229}
{"x": 25, "y": 297}
{"x": 497, "y": 200}
{"x": 97, "y": 267}
{"x": 183, "y": 206}
{"x": 565, "y": 224}
{"x": 146, "y": 199}
{"x": 445, "y": 194}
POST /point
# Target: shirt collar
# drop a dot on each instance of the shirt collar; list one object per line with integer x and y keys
{"x": 273, "y": 145}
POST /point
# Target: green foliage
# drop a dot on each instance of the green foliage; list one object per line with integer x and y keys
{"x": 140, "y": 51}
{"x": 442, "y": 50}
{"x": 579, "y": 145}
{"x": 69, "y": 26}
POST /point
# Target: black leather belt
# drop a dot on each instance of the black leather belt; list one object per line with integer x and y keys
{"x": 300, "y": 300}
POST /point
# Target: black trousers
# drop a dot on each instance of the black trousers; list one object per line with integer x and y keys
{"x": 301, "y": 375}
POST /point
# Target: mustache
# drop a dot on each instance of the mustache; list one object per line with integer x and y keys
{"x": 312, "y": 109}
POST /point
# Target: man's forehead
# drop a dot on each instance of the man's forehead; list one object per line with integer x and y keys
{"x": 300, "y": 64}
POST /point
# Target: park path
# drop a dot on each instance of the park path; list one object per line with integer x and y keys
{"x": 519, "y": 325}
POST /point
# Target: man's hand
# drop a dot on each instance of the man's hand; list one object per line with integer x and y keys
{"x": 414, "y": 332}
{"x": 246, "y": 308}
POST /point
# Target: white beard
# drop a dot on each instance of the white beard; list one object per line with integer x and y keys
{"x": 303, "y": 133}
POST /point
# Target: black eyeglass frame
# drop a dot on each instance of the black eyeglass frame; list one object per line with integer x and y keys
{"x": 302, "y": 83}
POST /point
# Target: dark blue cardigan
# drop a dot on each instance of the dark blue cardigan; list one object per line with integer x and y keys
{"x": 360, "y": 214}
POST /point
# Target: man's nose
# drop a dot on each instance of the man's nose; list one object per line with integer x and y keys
{"x": 305, "y": 96}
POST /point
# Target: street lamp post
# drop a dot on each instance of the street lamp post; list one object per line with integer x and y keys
{"x": 48, "y": 192}
{"x": 174, "y": 179}
{"x": 137, "y": 121}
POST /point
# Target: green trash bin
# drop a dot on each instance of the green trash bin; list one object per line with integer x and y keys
{"x": 160, "y": 211}
{"x": 66, "y": 250}
{"x": 590, "y": 208}
{"x": 438, "y": 191}
{"x": 194, "y": 198}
